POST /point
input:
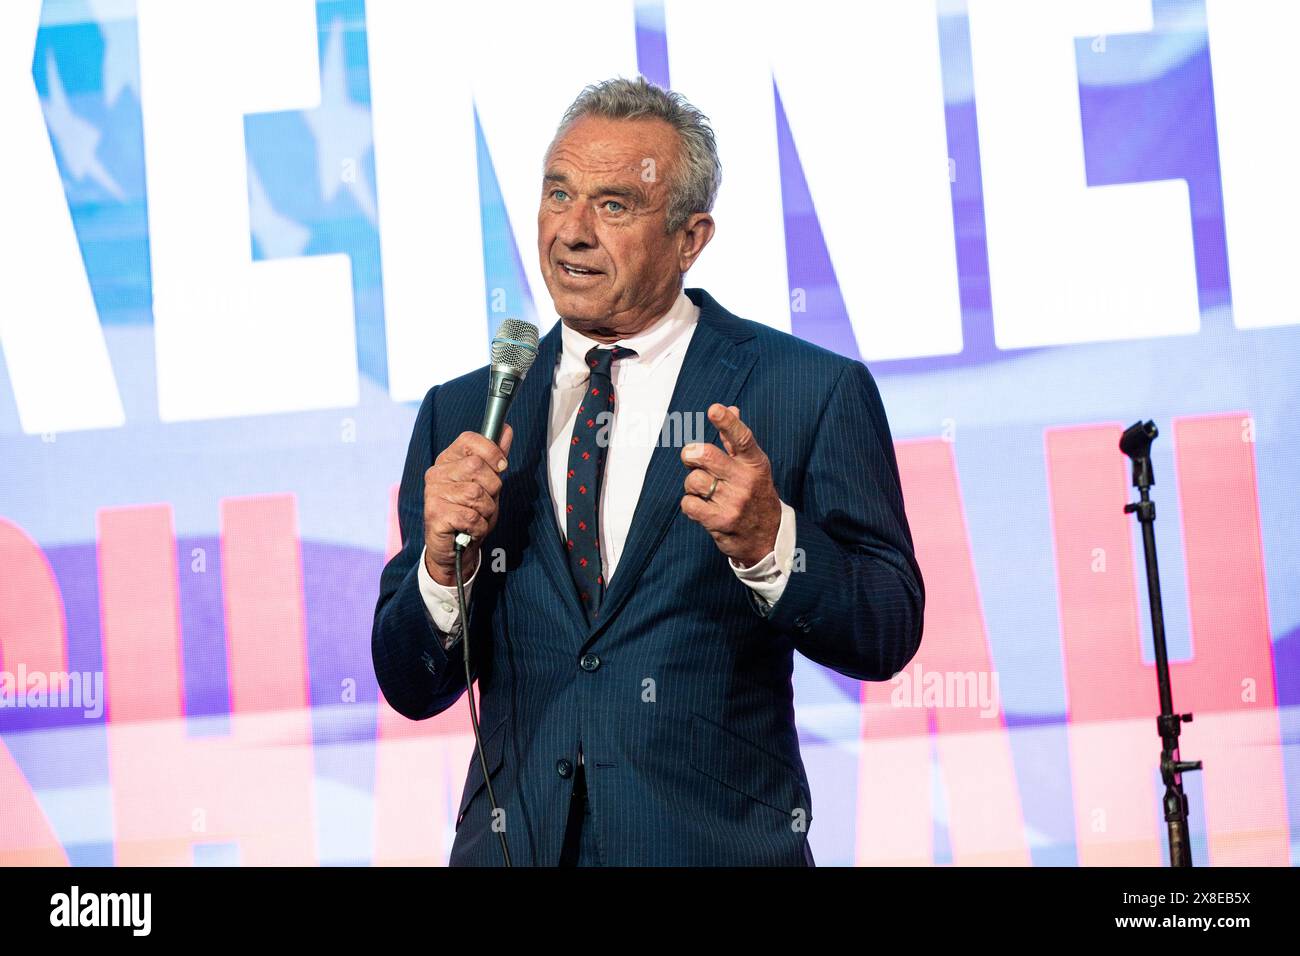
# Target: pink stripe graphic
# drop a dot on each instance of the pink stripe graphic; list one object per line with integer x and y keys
{"x": 32, "y": 639}
{"x": 171, "y": 792}
{"x": 951, "y": 682}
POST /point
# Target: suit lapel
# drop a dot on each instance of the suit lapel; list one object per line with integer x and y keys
{"x": 530, "y": 418}
{"x": 713, "y": 370}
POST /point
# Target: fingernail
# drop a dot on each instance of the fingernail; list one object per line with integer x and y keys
{"x": 691, "y": 450}
{"x": 501, "y": 465}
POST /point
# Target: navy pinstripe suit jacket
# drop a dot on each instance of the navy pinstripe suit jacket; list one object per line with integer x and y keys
{"x": 686, "y": 721}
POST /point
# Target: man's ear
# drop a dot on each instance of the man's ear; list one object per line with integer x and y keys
{"x": 695, "y": 235}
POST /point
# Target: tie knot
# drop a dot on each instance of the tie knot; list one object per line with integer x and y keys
{"x": 599, "y": 360}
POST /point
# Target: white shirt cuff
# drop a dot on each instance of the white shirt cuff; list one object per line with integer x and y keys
{"x": 769, "y": 575}
{"x": 441, "y": 602}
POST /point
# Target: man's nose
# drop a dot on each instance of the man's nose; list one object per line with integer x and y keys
{"x": 578, "y": 226}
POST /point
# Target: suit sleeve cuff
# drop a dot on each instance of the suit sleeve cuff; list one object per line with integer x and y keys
{"x": 441, "y": 602}
{"x": 768, "y": 577}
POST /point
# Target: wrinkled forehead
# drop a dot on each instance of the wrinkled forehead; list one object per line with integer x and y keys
{"x": 644, "y": 150}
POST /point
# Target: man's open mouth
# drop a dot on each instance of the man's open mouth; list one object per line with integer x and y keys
{"x": 578, "y": 271}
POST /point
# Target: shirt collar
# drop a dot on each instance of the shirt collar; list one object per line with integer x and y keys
{"x": 652, "y": 344}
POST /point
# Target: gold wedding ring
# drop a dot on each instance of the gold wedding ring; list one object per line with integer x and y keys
{"x": 712, "y": 488}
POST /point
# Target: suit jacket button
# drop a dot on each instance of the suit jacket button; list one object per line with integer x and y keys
{"x": 589, "y": 662}
{"x": 564, "y": 767}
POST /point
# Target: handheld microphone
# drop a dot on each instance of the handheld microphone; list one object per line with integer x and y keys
{"x": 514, "y": 349}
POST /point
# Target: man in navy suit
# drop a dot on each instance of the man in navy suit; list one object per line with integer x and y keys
{"x": 681, "y": 499}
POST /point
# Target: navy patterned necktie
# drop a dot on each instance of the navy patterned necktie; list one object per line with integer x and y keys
{"x": 591, "y": 431}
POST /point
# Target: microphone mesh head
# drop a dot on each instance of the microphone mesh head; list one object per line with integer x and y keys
{"x": 515, "y": 346}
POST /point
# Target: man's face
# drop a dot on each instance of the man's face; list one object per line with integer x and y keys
{"x": 609, "y": 262}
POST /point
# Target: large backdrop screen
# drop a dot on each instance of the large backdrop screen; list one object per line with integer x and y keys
{"x": 239, "y": 240}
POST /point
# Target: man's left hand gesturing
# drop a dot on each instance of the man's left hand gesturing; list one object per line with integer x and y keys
{"x": 744, "y": 511}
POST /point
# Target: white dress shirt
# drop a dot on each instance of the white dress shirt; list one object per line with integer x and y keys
{"x": 644, "y": 384}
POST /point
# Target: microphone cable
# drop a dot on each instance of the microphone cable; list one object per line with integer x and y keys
{"x": 469, "y": 693}
{"x": 514, "y": 349}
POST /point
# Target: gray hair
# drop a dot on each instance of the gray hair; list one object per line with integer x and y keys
{"x": 695, "y": 187}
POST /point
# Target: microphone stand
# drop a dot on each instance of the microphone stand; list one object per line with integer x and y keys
{"x": 1136, "y": 444}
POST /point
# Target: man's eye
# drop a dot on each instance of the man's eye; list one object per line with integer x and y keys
{"x": 614, "y": 205}
{"x": 559, "y": 194}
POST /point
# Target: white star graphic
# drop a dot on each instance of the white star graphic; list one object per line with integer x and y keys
{"x": 342, "y": 130}
{"x": 77, "y": 140}
{"x": 121, "y": 52}
{"x": 279, "y": 235}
